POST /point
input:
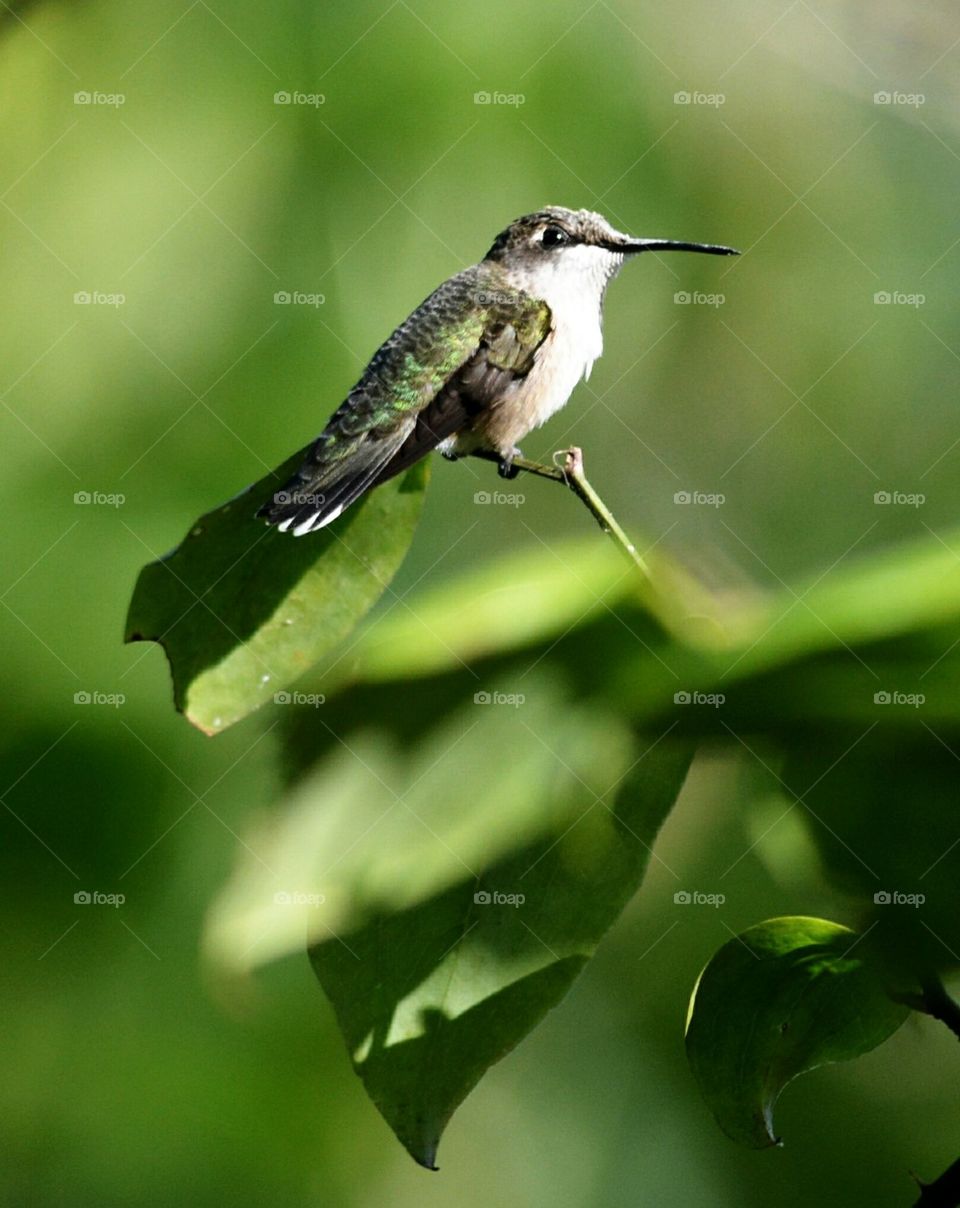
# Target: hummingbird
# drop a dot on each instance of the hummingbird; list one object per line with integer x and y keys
{"x": 490, "y": 355}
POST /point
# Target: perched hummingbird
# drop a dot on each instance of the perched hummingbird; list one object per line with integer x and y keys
{"x": 490, "y": 355}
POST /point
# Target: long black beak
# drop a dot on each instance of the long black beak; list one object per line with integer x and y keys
{"x": 629, "y": 246}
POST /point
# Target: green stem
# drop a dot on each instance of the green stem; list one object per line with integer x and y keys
{"x": 572, "y": 475}
{"x": 937, "y": 1002}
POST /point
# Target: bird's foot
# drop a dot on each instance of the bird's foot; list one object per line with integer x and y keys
{"x": 449, "y": 454}
{"x": 506, "y": 468}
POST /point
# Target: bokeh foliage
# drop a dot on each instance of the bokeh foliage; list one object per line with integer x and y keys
{"x": 132, "y": 1079}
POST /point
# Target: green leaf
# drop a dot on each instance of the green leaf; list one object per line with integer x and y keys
{"x": 784, "y": 997}
{"x": 888, "y": 622}
{"x": 367, "y": 832}
{"x": 430, "y": 997}
{"x": 510, "y": 601}
{"x": 242, "y": 609}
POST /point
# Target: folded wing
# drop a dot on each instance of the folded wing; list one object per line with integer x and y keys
{"x": 456, "y": 355}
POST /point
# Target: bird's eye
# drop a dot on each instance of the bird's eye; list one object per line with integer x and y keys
{"x": 553, "y": 237}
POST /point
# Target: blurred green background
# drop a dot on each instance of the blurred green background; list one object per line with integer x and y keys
{"x": 147, "y": 165}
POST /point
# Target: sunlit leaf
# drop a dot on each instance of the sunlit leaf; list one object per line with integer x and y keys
{"x": 369, "y": 833}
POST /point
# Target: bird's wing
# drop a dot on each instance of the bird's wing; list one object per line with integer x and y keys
{"x": 456, "y": 354}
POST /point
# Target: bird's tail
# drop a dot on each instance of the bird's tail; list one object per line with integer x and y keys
{"x": 318, "y": 494}
{"x": 321, "y": 490}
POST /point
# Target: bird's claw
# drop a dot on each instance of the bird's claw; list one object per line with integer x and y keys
{"x": 506, "y": 468}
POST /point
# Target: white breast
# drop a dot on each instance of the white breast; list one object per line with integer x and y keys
{"x": 572, "y": 285}
{"x": 568, "y": 354}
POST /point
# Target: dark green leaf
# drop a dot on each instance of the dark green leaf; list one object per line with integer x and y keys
{"x": 784, "y": 997}
{"x": 885, "y": 818}
{"x": 429, "y": 998}
{"x": 242, "y": 609}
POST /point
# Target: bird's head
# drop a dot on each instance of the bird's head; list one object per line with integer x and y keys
{"x": 556, "y": 240}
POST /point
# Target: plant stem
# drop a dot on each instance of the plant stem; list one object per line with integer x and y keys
{"x": 938, "y": 1003}
{"x": 572, "y": 475}
{"x": 935, "y": 1001}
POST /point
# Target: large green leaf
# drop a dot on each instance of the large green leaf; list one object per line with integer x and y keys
{"x": 883, "y": 626}
{"x": 242, "y": 609}
{"x": 784, "y": 997}
{"x": 429, "y": 998}
{"x": 368, "y": 833}
{"x": 511, "y": 601}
